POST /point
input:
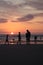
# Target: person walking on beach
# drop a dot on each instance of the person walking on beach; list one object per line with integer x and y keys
{"x": 19, "y": 38}
{"x": 28, "y": 35}
{"x": 7, "y": 39}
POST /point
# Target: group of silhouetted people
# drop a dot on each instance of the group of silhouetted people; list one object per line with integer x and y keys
{"x": 27, "y": 34}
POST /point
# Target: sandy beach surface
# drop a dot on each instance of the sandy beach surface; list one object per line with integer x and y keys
{"x": 19, "y": 54}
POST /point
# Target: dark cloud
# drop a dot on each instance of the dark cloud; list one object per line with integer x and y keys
{"x": 38, "y": 4}
{"x": 2, "y": 20}
{"x": 7, "y": 8}
{"x": 10, "y": 8}
{"x": 26, "y": 18}
{"x": 7, "y": 4}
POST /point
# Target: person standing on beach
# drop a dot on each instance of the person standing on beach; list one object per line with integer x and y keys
{"x": 7, "y": 39}
{"x": 35, "y": 38}
{"x": 28, "y": 35}
{"x": 19, "y": 38}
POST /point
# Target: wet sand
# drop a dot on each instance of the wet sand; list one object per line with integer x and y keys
{"x": 19, "y": 54}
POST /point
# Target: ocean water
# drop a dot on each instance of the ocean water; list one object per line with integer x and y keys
{"x": 13, "y": 39}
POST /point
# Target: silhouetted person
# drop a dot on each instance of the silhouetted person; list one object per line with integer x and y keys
{"x": 7, "y": 39}
{"x": 13, "y": 40}
{"x": 19, "y": 38}
{"x": 28, "y": 34}
{"x": 35, "y": 38}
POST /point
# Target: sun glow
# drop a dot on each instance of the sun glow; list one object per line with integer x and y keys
{"x": 12, "y": 33}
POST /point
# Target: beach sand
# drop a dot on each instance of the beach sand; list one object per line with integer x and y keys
{"x": 19, "y": 54}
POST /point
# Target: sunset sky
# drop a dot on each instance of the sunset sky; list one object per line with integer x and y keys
{"x": 19, "y": 15}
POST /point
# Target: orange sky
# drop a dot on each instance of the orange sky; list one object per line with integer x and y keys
{"x": 15, "y": 27}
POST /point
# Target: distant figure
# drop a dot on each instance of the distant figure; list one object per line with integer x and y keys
{"x": 6, "y": 39}
{"x": 28, "y": 34}
{"x": 19, "y": 38}
{"x": 35, "y": 38}
{"x": 13, "y": 40}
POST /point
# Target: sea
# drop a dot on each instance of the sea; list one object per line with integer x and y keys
{"x": 13, "y": 39}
